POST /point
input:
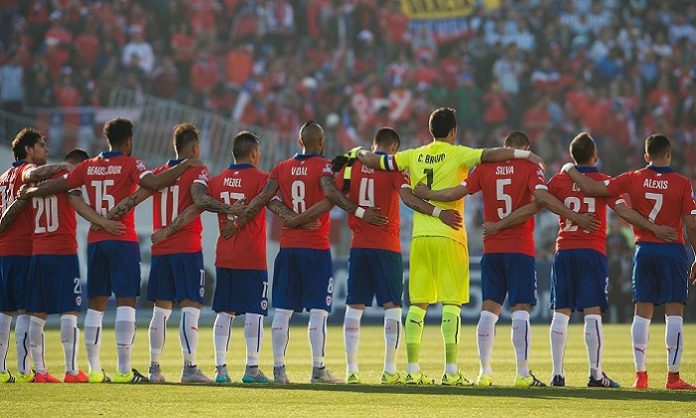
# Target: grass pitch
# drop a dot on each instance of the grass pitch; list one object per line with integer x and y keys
{"x": 301, "y": 399}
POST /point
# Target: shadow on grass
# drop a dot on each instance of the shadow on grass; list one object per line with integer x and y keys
{"x": 527, "y": 393}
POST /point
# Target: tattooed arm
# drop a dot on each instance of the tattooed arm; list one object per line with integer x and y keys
{"x": 258, "y": 202}
{"x": 11, "y": 213}
{"x": 125, "y": 205}
{"x": 184, "y": 218}
{"x": 369, "y": 215}
{"x": 88, "y": 213}
{"x": 45, "y": 172}
{"x": 200, "y": 196}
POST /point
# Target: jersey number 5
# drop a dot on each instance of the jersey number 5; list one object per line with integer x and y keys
{"x": 501, "y": 196}
{"x": 101, "y": 195}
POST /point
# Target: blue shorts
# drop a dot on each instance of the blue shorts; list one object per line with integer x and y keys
{"x": 113, "y": 266}
{"x": 302, "y": 279}
{"x": 54, "y": 284}
{"x": 374, "y": 273}
{"x": 241, "y": 291}
{"x": 579, "y": 280}
{"x": 511, "y": 274}
{"x": 177, "y": 277}
{"x": 14, "y": 274}
{"x": 660, "y": 273}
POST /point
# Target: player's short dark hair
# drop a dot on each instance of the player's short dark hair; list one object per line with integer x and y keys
{"x": 657, "y": 145}
{"x": 118, "y": 131}
{"x": 442, "y": 121}
{"x": 27, "y": 137}
{"x": 582, "y": 148}
{"x": 184, "y": 134}
{"x": 386, "y": 137}
{"x": 76, "y": 156}
{"x": 243, "y": 144}
{"x": 516, "y": 139}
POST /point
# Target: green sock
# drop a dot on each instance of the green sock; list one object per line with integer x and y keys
{"x": 414, "y": 332}
{"x": 450, "y": 333}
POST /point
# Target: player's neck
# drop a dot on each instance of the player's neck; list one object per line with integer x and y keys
{"x": 443, "y": 140}
{"x": 122, "y": 150}
{"x": 659, "y": 163}
{"x": 306, "y": 151}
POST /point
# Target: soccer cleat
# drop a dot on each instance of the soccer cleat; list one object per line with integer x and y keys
{"x": 455, "y": 379}
{"x": 155, "y": 374}
{"x": 252, "y": 374}
{"x": 418, "y": 378}
{"x": 558, "y": 381}
{"x": 80, "y": 377}
{"x": 392, "y": 379}
{"x": 528, "y": 382}
{"x": 323, "y": 375}
{"x": 24, "y": 378}
{"x": 6, "y": 377}
{"x": 280, "y": 376}
{"x": 484, "y": 379}
{"x": 98, "y": 377}
{"x": 45, "y": 378}
{"x": 641, "y": 380}
{"x": 353, "y": 378}
{"x": 132, "y": 376}
{"x": 604, "y": 382}
{"x": 674, "y": 382}
{"x": 221, "y": 376}
{"x": 192, "y": 374}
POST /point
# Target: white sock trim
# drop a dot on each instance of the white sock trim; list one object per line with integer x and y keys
{"x": 124, "y": 313}
{"x": 520, "y": 315}
{"x": 351, "y": 313}
{"x": 94, "y": 318}
{"x": 393, "y": 313}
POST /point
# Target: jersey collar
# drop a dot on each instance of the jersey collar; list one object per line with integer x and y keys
{"x": 658, "y": 169}
{"x": 240, "y": 166}
{"x": 18, "y": 163}
{"x": 110, "y": 154}
{"x": 172, "y": 163}
{"x": 380, "y": 153}
{"x": 586, "y": 169}
{"x": 299, "y": 156}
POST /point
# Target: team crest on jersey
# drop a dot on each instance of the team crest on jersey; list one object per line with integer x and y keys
{"x": 264, "y": 304}
{"x": 327, "y": 169}
{"x": 139, "y": 165}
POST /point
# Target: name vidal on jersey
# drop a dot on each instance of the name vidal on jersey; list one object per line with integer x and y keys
{"x": 230, "y": 182}
{"x": 431, "y": 159}
{"x": 298, "y": 171}
{"x": 505, "y": 170}
{"x": 104, "y": 171}
{"x": 656, "y": 184}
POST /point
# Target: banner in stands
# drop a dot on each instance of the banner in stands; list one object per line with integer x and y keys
{"x": 443, "y": 9}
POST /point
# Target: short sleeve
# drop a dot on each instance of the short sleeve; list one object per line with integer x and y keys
{"x": 202, "y": 176}
{"x": 401, "y": 180}
{"x": 275, "y": 172}
{"x": 473, "y": 182}
{"x": 402, "y": 160}
{"x": 76, "y": 178}
{"x": 469, "y": 157}
{"x": 688, "y": 203}
{"x": 618, "y": 185}
{"x": 536, "y": 179}
{"x": 139, "y": 170}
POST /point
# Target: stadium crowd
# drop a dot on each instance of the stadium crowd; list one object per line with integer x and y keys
{"x": 619, "y": 69}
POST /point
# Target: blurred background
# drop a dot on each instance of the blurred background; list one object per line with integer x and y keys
{"x": 620, "y": 69}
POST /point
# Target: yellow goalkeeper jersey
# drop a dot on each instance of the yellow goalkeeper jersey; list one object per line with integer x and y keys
{"x": 440, "y": 165}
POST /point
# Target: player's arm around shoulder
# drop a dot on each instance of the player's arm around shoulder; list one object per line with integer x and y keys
{"x": 205, "y": 202}
{"x": 45, "y": 172}
{"x": 11, "y": 213}
{"x": 127, "y": 204}
{"x": 586, "y": 184}
{"x": 663, "y": 232}
{"x": 331, "y": 192}
{"x": 260, "y": 201}
{"x": 449, "y": 217}
{"x": 505, "y": 154}
{"x": 88, "y": 213}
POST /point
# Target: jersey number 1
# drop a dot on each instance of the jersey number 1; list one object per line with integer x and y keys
{"x": 230, "y": 198}
{"x": 163, "y": 204}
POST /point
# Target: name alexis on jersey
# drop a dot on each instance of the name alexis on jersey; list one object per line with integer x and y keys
{"x": 432, "y": 159}
{"x": 103, "y": 171}
{"x": 656, "y": 184}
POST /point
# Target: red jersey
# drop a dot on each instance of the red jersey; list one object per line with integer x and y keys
{"x": 570, "y": 236}
{"x": 55, "y": 229}
{"x": 298, "y": 179}
{"x": 169, "y": 202}
{"x": 109, "y": 178}
{"x": 16, "y": 240}
{"x": 247, "y": 249}
{"x": 659, "y": 194}
{"x": 507, "y": 186}
{"x": 373, "y": 188}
